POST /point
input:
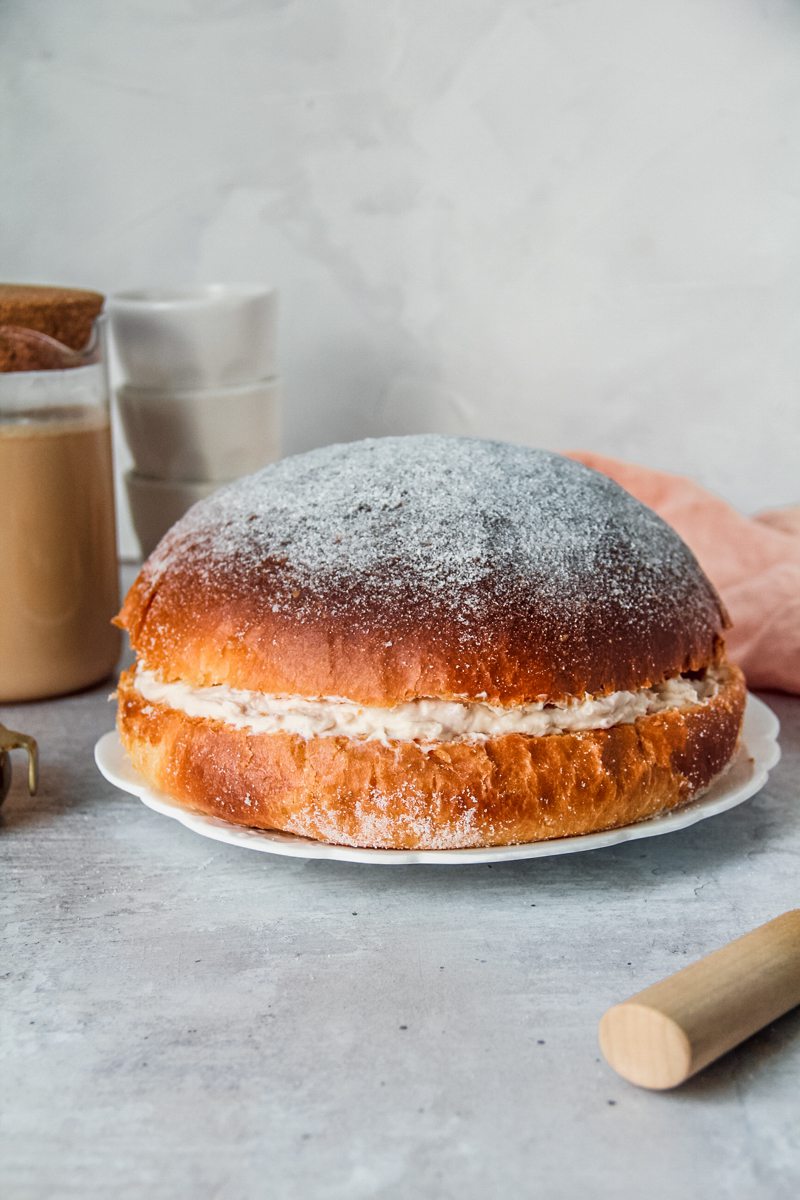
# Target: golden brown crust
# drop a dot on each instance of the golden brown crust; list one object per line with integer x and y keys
{"x": 66, "y": 314}
{"x": 459, "y": 794}
{"x": 202, "y": 636}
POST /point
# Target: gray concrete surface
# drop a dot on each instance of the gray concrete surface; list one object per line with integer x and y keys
{"x": 182, "y": 1018}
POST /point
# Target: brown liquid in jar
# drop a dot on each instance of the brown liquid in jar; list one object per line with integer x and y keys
{"x": 58, "y": 570}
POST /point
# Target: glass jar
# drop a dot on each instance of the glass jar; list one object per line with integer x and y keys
{"x": 58, "y": 563}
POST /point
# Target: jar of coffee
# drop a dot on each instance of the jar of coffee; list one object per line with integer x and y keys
{"x": 58, "y": 565}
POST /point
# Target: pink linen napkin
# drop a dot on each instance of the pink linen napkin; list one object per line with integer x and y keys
{"x": 754, "y": 562}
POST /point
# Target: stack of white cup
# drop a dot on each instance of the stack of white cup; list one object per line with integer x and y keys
{"x": 199, "y": 398}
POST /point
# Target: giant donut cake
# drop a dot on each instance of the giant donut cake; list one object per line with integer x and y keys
{"x": 427, "y": 642}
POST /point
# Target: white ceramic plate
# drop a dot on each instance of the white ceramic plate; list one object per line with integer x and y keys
{"x": 746, "y": 776}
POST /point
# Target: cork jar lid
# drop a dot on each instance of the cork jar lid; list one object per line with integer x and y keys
{"x": 64, "y": 314}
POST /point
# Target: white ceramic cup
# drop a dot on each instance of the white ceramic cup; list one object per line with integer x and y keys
{"x": 215, "y": 434}
{"x": 213, "y": 336}
{"x": 156, "y": 504}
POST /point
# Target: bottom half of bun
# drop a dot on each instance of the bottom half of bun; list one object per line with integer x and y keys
{"x": 402, "y": 795}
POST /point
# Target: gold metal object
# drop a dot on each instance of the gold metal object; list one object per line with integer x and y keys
{"x": 9, "y": 740}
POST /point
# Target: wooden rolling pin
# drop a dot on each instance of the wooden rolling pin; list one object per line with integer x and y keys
{"x": 668, "y": 1032}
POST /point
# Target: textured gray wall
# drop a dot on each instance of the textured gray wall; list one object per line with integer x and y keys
{"x": 561, "y": 223}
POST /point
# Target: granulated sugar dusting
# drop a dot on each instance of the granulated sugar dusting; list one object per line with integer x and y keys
{"x": 442, "y": 514}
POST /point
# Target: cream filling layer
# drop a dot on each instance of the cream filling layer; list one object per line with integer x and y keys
{"x": 422, "y": 720}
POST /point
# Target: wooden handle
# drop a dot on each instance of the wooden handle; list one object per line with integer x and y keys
{"x": 668, "y": 1032}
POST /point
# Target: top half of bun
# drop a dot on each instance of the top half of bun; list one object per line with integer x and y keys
{"x": 394, "y": 568}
